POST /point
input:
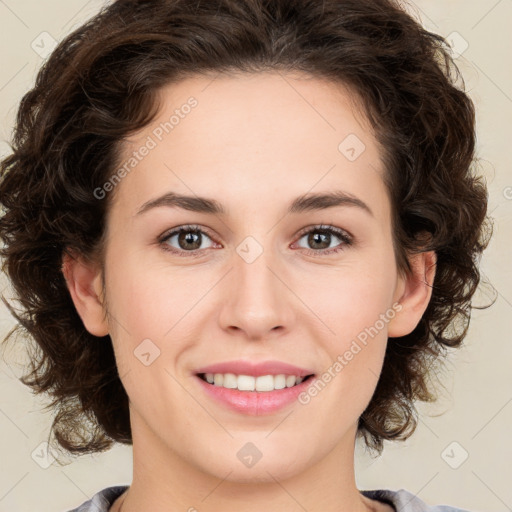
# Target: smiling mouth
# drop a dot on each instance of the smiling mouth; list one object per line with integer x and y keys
{"x": 251, "y": 383}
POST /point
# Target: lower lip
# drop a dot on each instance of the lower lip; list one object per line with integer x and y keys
{"x": 254, "y": 403}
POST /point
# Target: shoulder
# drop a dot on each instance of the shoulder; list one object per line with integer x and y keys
{"x": 102, "y": 500}
{"x": 405, "y": 501}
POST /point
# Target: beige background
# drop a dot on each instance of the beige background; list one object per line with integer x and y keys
{"x": 475, "y": 411}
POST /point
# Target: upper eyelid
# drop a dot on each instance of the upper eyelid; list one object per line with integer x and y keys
{"x": 185, "y": 227}
{"x": 324, "y": 227}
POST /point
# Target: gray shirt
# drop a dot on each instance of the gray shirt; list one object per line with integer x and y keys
{"x": 401, "y": 500}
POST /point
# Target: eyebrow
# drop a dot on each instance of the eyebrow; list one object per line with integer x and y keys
{"x": 303, "y": 203}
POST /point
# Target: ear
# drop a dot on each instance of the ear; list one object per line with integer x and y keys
{"x": 83, "y": 279}
{"x": 413, "y": 292}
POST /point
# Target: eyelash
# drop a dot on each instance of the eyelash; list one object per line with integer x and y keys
{"x": 347, "y": 240}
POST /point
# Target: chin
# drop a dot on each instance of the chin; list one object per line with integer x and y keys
{"x": 264, "y": 470}
{"x": 263, "y": 474}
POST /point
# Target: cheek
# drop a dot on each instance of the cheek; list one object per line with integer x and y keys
{"x": 155, "y": 310}
{"x": 148, "y": 323}
{"x": 355, "y": 307}
{"x": 349, "y": 299}
{"x": 149, "y": 302}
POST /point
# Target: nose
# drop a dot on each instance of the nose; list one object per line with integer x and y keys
{"x": 258, "y": 304}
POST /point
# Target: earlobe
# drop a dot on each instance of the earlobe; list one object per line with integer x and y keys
{"x": 84, "y": 283}
{"x": 414, "y": 293}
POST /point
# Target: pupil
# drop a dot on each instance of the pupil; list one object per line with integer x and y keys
{"x": 314, "y": 239}
{"x": 189, "y": 237}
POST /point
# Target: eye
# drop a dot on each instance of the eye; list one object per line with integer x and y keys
{"x": 190, "y": 240}
{"x": 185, "y": 239}
{"x": 321, "y": 237}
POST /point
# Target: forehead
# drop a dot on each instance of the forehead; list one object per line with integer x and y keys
{"x": 248, "y": 136}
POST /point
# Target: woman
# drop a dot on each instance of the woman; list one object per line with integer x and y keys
{"x": 243, "y": 232}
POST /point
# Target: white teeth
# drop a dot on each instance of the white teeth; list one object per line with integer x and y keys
{"x": 279, "y": 382}
{"x": 230, "y": 381}
{"x": 246, "y": 383}
{"x": 250, "y": 383}
{"x": 265, "y": 383}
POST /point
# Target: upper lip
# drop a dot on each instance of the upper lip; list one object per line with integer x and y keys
{"x": 241, "y": 367}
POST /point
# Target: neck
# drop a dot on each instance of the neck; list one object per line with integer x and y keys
{"x": 163, "y": 480}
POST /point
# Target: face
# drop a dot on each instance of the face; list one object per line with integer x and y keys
{"x": 268, "y": 276}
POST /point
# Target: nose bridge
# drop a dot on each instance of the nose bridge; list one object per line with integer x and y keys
{"x": 257, "y": 300}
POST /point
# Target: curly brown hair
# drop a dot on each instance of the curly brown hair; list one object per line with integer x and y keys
{"x": 100, "y": 84}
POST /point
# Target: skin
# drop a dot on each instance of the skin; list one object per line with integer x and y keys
{"x": 253, "y": 143}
